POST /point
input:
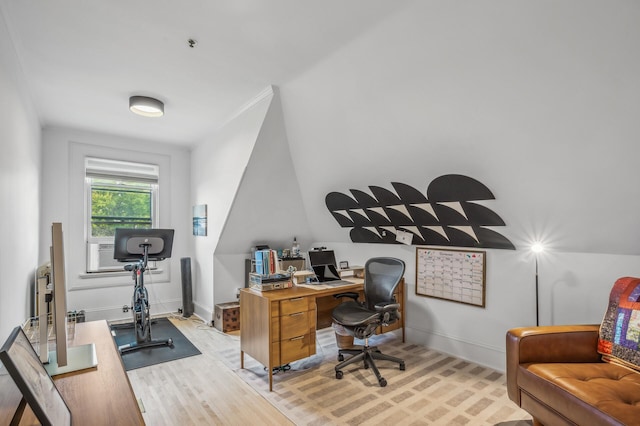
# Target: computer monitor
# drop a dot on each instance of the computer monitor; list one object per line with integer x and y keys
{"x": 322, "y": 257}
{"x": 128, "y": 244}
{"x": 59, "y": 294}
{"x": 65, "y": 358}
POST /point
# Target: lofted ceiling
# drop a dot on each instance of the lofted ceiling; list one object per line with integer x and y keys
{"x": 83, "y": 59}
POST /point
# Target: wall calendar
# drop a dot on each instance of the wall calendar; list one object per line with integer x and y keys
{"x": 456, "y": 275}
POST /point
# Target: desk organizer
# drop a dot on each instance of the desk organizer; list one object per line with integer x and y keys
{"x": 270, "y": 282}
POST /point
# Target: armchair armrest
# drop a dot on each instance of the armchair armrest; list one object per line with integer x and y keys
{"x": 548, "y": 344}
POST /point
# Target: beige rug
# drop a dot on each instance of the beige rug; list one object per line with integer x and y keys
{"x": 435, "y": 389}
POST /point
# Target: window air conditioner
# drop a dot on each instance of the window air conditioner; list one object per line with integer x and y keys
{"x": 100, "y": 258}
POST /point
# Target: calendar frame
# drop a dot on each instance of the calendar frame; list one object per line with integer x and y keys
{"x": 425, "y": 254}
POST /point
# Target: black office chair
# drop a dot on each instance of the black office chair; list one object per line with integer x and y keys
{"x": 382, "y": 275}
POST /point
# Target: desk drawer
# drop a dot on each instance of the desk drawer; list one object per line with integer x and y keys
{"x": 291, "y": 306}
{"x": 294, "y": 325}
{"x": 296, "y": 348}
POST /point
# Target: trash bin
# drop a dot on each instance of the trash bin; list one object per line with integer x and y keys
{"x": 343, "y": 339}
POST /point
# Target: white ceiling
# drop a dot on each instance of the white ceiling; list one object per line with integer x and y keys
{"x": 83, "y": 59}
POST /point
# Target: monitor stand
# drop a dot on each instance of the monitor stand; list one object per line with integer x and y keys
{"x": 78, "y": 358}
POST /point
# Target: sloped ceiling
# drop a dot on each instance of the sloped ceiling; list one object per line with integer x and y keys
{"x": 83, "y": 59}
{"x": 538, "y": 100}
{"x": 267, "y": 208}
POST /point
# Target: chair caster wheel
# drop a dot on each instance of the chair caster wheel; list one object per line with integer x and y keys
{"x": 402, "y": 367}
{"x": 338, "y": 374}
{"x": 170, "y": 342}
{"x": 340, "y": 357}
{"x": 382, "y": 383}
{"x": 366, "y": 366}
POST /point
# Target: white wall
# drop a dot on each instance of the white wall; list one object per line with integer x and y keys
{"x": 267, "y": 208}
{"x": 19, "y": 190}
{"x": 217, "y": 166}
{"x": 537, "y": 100}
{"x": 63, "y": 200}
{"x": 245, "y": 174}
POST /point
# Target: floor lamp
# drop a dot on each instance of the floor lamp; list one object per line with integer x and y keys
{"x": 537, "y": 248}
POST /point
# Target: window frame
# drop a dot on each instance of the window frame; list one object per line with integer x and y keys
{"x": 128, "y": 174}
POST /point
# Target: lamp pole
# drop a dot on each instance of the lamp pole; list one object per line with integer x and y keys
{"x": 537, "y": 305}
{"x": 537, "y": 248}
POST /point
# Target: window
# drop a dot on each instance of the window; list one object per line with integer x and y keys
{"x": 119, "y": 204}
{"x": 119, "y": 195}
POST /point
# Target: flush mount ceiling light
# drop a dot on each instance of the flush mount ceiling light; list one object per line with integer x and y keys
{"x": 145, "y": 106}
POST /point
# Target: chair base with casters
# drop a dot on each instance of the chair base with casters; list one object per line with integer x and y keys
{"x": 361, "y": 319}
{"x": 367, "y": 354}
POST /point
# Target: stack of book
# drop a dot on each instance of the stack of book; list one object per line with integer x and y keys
{"x": 266, "y": 262}
{"x": 268, "y": 275}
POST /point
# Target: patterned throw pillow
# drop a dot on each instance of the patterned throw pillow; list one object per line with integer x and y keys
{"x": 620, "y": 328}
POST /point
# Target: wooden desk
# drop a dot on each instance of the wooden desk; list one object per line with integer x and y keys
{"x": 278, "y": 327}
{"x": 101, "y": 395}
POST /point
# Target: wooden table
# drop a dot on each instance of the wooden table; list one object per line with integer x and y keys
{"x": 97, "y": 396}
{"x": 278, "y": 327}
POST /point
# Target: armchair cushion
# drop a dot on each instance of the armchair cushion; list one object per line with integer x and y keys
{"x": 620, "y": 328}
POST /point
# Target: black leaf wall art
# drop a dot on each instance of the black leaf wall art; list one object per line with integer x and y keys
{"x": 445, "y": 216}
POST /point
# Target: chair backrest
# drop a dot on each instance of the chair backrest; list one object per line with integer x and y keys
{"x": 381, "y": 277}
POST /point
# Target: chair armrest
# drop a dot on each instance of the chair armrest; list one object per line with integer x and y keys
{"x": 386, "y": 306}
{"x": 548, "y": 344}
{"x": 349, "y": 294}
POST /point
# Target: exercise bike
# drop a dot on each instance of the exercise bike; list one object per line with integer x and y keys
{"x": 142, "y": 245}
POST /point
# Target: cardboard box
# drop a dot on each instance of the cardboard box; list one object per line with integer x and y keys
{"x": 227, "y": 317}
{"x": 300, "y": 277}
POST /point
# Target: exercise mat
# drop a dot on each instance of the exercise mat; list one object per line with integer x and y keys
{"x": 161, "y": 329}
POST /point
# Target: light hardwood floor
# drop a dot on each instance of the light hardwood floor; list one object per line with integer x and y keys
{"x": 200, "y": 390}
{"x": 206, "y": 390}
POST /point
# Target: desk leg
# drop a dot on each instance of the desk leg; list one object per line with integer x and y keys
{"x": 241, "y": 359}
{"x": 270, "y": 378}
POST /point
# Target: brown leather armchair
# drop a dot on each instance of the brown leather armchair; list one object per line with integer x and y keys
{"x": 556, "y": 374}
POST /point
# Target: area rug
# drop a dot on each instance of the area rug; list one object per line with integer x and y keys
{"x": 435, "y": 388}
{"x": 161, "y": 329}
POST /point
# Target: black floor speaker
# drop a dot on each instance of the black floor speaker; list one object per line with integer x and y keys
{"x": 187, "y": 292}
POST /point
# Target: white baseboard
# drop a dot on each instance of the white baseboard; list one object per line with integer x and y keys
{"x": 203, "y": 312}
{"x": 114, "y": 313}
{"x": 485, "y": 355}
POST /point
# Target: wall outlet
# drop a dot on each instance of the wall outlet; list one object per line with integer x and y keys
{"x": 125, "y": 308}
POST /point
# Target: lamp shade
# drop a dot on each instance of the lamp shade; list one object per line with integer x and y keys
{"x": 146, "y": 106}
